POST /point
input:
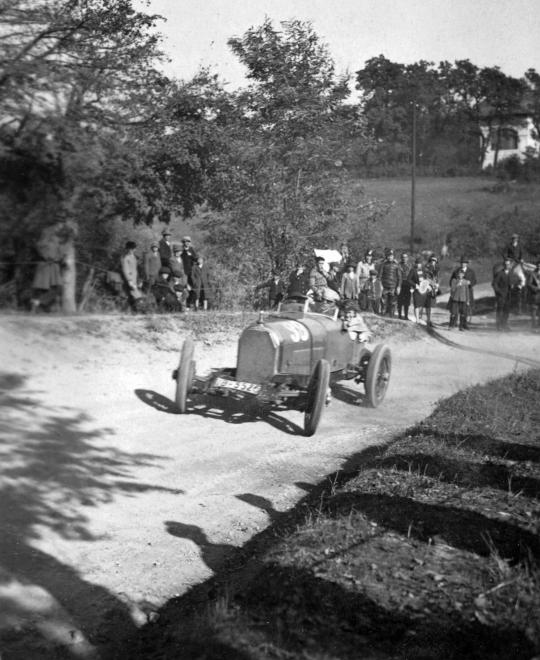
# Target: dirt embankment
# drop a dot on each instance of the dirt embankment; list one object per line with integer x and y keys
{"x": 112, "y": 503}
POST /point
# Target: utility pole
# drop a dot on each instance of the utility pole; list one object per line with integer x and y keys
{"x": 413, "y": 177}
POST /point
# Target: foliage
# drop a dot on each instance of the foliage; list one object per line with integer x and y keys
{"x": 450, "y": 102}
{"x": 288, "y": 146}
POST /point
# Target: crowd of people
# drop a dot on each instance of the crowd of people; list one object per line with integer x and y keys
{"x": 171, "y": 274}
{"x": 391, "y": 287}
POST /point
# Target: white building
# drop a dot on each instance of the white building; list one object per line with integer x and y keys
{"x": 513, "y": 138}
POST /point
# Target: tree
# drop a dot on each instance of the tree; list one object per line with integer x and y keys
{"x": 287, "y": 146}
{"x": 91, "y": 130}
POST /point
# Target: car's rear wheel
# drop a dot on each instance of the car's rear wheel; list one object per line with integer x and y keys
{"x": 316, "y": 396}
{"x": 185, "y": 374}
{"x": 378, "y": 375}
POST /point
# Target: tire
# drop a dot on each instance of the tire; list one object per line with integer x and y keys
{"x": 185, "y": 374}
{"x": 316, "y": 396}
{"x": 378, "y": 375}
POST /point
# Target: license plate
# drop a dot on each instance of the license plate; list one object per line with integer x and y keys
{"x": 250, "y": 388}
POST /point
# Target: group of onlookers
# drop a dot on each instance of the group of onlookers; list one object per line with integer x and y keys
{"x": 172, "y": 274}
{"x": 389, "y": 286}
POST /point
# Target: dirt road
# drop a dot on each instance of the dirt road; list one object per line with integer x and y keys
{"x": 112, "y": 503}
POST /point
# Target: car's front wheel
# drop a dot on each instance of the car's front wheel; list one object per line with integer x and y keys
{"x": 185, "y": 374}
{"x": 316, "y": 396}
{"x": 378, "y": 375}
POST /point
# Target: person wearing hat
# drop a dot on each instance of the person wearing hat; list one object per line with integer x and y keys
{"x": 362, "y": 271}
{"x": 333, "y": 277}
{"x": 470, "y": 276}
{"x": 502, "y": 285}
{"x": 189, "y": 258}
{"x": 458, "y": 302}
{"x": 164, "y": 293}
{"x": 298, "y": 282}
{"x": 152, "y": 265}
{"x": 317, "y": 279}
{"x": 201, "y": 284}
{"x": 390, "y": 276}
{"x": 404, "y": 297}
{"x": 128, "y": 267}
{"x": 371, "y": 293}
{"x": 513, "y": 250}
{"x": 276, "y": 289}
{"x": 165, "y": 247}
{"x": 533, "y": 290}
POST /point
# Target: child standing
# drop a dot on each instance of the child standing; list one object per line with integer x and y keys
{"x": 459, "y": 300}
{"x": 371, "y": 293}
{"x": 349, "y": 284}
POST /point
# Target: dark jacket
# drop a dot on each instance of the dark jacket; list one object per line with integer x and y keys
{"x": 502, "y": 283}
{"x": 189, "y": 258}
{"x": 298, "y": 283}
{"x": 165, "y": 252}
{"x": 390, "y": 275}
{"x": 199, "y": 277}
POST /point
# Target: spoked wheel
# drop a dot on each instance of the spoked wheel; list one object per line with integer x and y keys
{"x": 378, "y": 375}
{"x": 316, "y": 396}
{"x": 185, "y": 374}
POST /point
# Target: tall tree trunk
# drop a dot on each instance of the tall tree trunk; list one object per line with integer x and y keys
{"x": 69, "y": 276}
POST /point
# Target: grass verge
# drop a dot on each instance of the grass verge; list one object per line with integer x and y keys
{"x": 430, "y": 550}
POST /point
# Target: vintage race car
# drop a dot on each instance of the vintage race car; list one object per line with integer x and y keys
{"x": 290, "y": 359}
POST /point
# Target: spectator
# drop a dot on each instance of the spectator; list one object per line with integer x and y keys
{"x": 390, "y": 276}
{"x": 459, "y": 301}
{"x": 502, "y": 285}
{"x": 470, "y": 276}
{"x": 164, "y": 292}
{"x": 47, "y": 282}
{"x": 420, "y": 287}
{"x": 371, "y": 293}
{"x": 533, "y": 289}
{"x": 513, "y": 250}
{"x": 317, "y": 279}
{"x": 152, "y": 266}
{"x": 165, "y": 248}
{"x": 276, "y": 290}
{"x": 404, "y": 297}
{"x": 298, "y": 282}
{"x": 432, "y": 271}
{"x": 349, "y": 284}
{"x": 201, "y": 287}
{"x": 128, "y": 263}
{"x": 189, "y": 258}
{"x": 333, "y": 277}
{"x": 179, "y": 277}
{"x": 345, "y": 255}
{"x": 362, "y": 269}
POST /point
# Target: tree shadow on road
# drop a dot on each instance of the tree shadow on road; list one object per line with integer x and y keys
{"x": 54, "y": 467}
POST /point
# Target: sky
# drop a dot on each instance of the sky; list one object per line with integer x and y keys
{"x": 503, "y": 33}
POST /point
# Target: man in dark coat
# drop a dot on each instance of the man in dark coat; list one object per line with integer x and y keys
{"x": 502, "y": 285}
{"x": 404, "y": 297}
{"x": 390, "y": 276}
{"x": 165, "y": 248}
{"x": 201, "y": 284}
{"x": 298, "y": 282}
{"x": 189, "y": 258}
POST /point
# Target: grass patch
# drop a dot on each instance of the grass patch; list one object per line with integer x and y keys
{"x": 430, "y": 550}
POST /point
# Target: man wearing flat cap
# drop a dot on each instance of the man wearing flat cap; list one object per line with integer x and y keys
{"x": 189, "y": 259}
{"x": 513, "y": 250}
{"x": 165, "y": 247}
